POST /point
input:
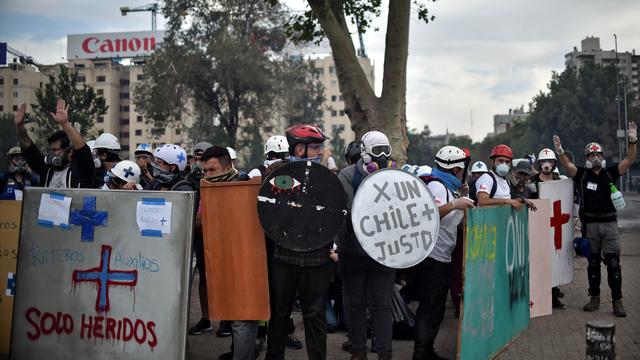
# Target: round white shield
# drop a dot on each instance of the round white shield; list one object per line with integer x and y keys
{"x": 395, "y": 218}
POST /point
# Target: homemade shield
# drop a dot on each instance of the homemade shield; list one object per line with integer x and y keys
{"x": 395, "y": 218}
{"x": 109, "y": 281}
{"x": 235, "y": 251}
{"x": 560, "y": 226}
{"x": 9, "y": 233}
{"x": 302, "y": 205}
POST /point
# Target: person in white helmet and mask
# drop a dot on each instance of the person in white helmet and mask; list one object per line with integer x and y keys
{"x": 598, "y": 214}
{"x": 143, "y": 156}
{"x": 431, "y": 277}
{"x": 169, "y": 163}
{"x": 368, "y": 285}
{"x": 106, "y": 151}
{"x": 124, "y": 175}
{"x": 276, "y": 149}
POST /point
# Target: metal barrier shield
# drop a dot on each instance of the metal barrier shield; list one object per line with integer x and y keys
{"x": 395, "y": 218}
{"x": 302, "y": 205}
{"x": 103, "y": 275}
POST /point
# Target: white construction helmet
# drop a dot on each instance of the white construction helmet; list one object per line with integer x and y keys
{"x": 376, "y": 143}
{"x": 547, "y": 154}
{"x": 91, "y": 144}
{"x": 107, "y": 141}
{"x": 232, "y": 153}
{"x": 277, "y": 144}
{"x": 144, "y": 148}
{"x": 172, "y": 154}
{"x": 127, "y": 171}
{"x": 450, "y": 157}
{"x": 479, "y": 167}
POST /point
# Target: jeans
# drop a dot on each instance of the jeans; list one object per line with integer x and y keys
{"x": 312, "y": 284}
{"x": 244, "y": 334}
{"x": 431, "y": 281}
{"x": 367, "y": 284}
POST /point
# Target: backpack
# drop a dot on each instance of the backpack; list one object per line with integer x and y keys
{"x": 473, "y": 190}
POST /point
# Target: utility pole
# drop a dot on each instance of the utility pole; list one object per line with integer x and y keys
{"x": 619, "y": 133}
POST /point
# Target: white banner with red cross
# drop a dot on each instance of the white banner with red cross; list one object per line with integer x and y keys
{"x": 560, "y": 192}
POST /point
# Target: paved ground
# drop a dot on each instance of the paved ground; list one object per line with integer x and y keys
{"x": 557, "y": 336}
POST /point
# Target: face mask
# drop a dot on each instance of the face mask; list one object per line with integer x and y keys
{"x": 97, "y": 163}
{"x": 162, "y": 176}
{"x": 55, "y": 161}
{"x": 502, "y": 169}
{"x": 596, "y": 163}
{"x": 547, "y": 167}
{"x": 19, "y": 167}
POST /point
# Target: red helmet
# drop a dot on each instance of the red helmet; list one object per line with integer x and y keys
{"x": 304, "y": 134}
{"x": 501, "y": 150}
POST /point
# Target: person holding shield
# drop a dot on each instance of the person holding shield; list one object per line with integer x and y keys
{"x": 431, "y": 277}
{"x": 367, "y": 283}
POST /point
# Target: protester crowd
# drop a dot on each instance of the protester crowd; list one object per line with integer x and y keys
{"x": 339, "y": 285}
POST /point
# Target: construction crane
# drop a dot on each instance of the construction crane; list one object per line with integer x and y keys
{"x": 22, "y": 57}
{"x": 149, "y": 7}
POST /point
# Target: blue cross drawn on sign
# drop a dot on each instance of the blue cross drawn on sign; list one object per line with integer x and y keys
{"x": 88, "y": 218}
{"x": 181, "y": 157}
{"x": 163, "y": 221}
{"x": 105, "y": 277}
{"x": 128, "y": 172}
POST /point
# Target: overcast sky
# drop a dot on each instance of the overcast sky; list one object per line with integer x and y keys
{"x": 477, "y": 59}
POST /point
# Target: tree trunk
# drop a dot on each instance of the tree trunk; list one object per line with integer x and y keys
{"x": 365, "y": 110}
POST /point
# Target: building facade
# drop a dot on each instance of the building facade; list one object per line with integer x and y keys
{"x": 590, "y": 52}
{"x": 333, "y": 115}
{"x": 503, "y": 122}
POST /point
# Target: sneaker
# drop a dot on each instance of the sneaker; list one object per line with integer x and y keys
{"x": 618, "y": 308}
{"x": 293, "y": 343}
{"x": 203, "y": 325}
{"x": 556, "y": 304}
{"x": 224, "y": 329}
{"x": 593, "y": 304}
{"x": 226, "y": 356}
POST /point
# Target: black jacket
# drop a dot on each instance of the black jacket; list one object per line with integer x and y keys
{"x": 81, "y": 172}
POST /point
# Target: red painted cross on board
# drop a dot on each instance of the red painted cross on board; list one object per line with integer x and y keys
{"x": 557, "y": 220}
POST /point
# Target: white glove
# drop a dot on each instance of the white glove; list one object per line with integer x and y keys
{"x": 557, "y": 144}
{"x": 462, "y": 203}
{"x": 632, "y": 133}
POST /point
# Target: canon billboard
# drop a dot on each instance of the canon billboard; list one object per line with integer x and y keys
{"x": 113, "y": 45}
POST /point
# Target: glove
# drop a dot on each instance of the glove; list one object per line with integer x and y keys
{"x": 557, "y": 144}
{"x": 632, "y": 133}
{"x": 462, "y": 203}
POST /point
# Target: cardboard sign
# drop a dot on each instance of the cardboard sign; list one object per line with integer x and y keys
{"x": 560, "y": 224}
{"x": 302, "y": 205}
{"x": 540, "y": 260}
{"x": 9, "y": 233}
{"x": 235, "y": 251}
{"x": 395, "y": 218}
{"x": 100, "y": 289}
{"x": 495, "y": 307}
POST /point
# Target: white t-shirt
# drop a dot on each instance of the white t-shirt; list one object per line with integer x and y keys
{"x": 446, "y": 241}
{"x": 59, "y": 178}
{"x": 485, "y": 184}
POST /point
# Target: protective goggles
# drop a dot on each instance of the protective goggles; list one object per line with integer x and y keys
{"x": 379, "y": 150}
{"x": 111, "y": 178}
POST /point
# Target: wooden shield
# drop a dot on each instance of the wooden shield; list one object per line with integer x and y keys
{"x": 302, "y": 205}
{"x": 235, "y": 251}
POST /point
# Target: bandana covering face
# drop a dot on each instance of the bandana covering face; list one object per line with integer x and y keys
{"x": 231, "y": 175}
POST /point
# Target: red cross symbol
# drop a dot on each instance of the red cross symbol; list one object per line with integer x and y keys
{"x": 546, "y": 151}
{"x": 557, "y": 220}
{"x": 104, "y": 277}
{"x": 594, "y": 148}
{"x": 531, "y": 304}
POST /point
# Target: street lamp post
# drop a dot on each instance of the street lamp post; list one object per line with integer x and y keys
{"x": 619, "y": 134}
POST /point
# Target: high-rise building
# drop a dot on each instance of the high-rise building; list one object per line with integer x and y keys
{"x": 590, "y": 52}
{"x": 503, "y": 122}
{"x": 333, "y": 115}
{"x": 18, "y": 85}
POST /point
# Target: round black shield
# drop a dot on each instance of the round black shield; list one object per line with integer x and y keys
{"x": 302, "y": 205}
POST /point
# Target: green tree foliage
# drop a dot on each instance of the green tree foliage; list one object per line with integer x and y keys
{"x": 84, "y": 105}
{"x": 338, "y": 146}
{"x": 580, "y": 106}
{"x": 8, "y": 138}
{"x": 224, "y": 68}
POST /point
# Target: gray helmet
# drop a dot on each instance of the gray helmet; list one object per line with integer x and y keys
{"x": 201, "y": 146}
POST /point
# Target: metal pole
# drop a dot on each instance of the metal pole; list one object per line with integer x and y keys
{"x": 618, "y": 98}
{"x": 153, "y": 20}
{"x": 626, "y": 135}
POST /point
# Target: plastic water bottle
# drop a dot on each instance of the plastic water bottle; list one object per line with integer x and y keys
{"x": 616, "y": 197}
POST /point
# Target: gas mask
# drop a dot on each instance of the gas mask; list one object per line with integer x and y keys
{"x": 502, "y": 169}
{"x": 379, "y": 162}
{"x": 162, "y": 176}
{"x": 596, "y": 163}
{"x": 19, "y": 166}
{"x": 55, "y": 161}
{"x": 547, "y": 167}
